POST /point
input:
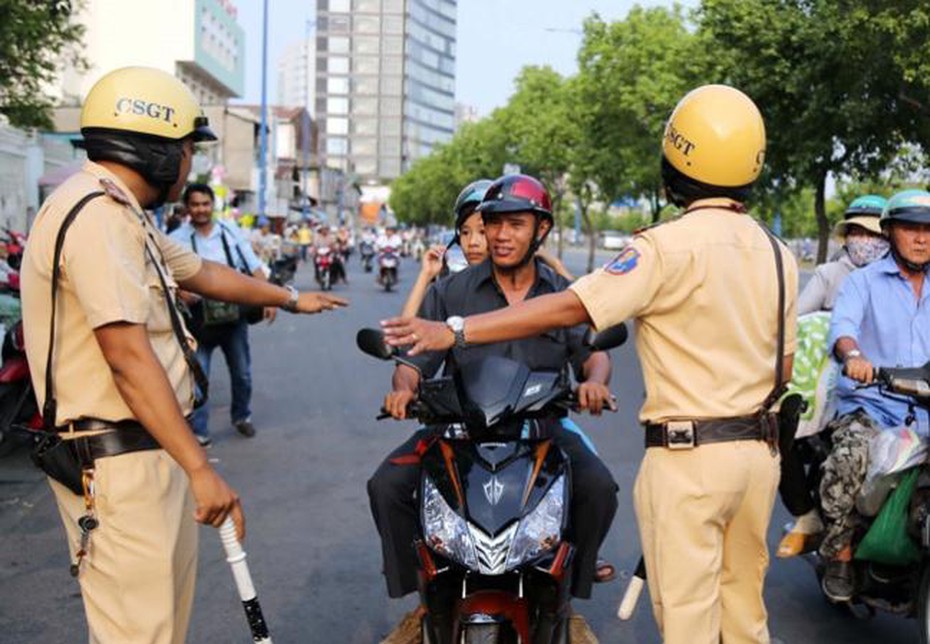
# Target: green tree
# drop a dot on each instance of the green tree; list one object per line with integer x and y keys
{"x": 838, "y": 83}
{"x": 631, "y": 74}
{"x": 36, "y": 36}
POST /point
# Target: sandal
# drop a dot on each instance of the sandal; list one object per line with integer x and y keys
{"x": 604, "y": 571}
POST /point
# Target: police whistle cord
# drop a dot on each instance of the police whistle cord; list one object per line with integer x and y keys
{"x": 235, "y": 555}
{"x": 633, "y": 590}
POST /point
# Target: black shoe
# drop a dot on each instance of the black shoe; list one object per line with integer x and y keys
{"x": 245, "y": 427}
{"x": 838, "y": 581}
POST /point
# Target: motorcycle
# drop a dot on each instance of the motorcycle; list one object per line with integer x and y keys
{"x": 387, "y": 268}
{"x": 19, "y": 411}
{"x": 901, "y": 590}
{"x": 323, "y": 263}
{"x": 495, "y": 563}
{"x": 283, "y": 270}
{"x": 367, "y": 253}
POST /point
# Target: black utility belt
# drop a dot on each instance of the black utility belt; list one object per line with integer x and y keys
{"x": 688, "y": 434}
{"x": 123, "y": 437}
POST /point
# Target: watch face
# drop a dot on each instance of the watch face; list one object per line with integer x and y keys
{"x": 456, "y": 323}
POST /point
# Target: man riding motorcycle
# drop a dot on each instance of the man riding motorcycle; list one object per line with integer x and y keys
{"x": 517, "y": 214}
{"x": 880, "y": 318}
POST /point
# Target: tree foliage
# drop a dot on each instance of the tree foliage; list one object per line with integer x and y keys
{"x": 36, "y": 36}
{"x": 836, "y": 82}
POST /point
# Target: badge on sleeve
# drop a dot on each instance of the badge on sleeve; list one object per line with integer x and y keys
{"x": 623, "y": 263}
{"x": 114, "y": 192}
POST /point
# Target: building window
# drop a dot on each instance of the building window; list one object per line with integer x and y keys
{"x": 339, "y": 147}
{"x": 337, "y": 106}
{"x": 367, "y": 25}
{"x": 338, "y": 45}
{"x": 337, "y": 85}
{"x": 343, "y": 6}
{"x": 365, "y": 65}
{"x": 366, "y": 45}
{"x": 365, "y": 106}
{"x": 338, "y": 65}
{"x": 365, "y": 127}
{"x": 337, "y": 125}
{"x": 364, "y": 147}
{"x": 368, "y": 5}
{"x": 393, "y": 45}
{"x": 393, "y": 25}
{"x": 365, "y": 86}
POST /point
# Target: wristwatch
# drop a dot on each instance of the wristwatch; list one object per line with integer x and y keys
{"x": 291, "y": 304}
{"x": 457, "y": 324}
{"x": 852, "y": 353}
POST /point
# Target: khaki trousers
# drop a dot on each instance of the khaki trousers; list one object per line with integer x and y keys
{"x": 138, "y": 578}
{"x": 703, "y": 514}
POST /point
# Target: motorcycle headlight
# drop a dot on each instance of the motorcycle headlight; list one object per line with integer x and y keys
{"x": 444, "y": 530}
{"x": 540, "y": 530}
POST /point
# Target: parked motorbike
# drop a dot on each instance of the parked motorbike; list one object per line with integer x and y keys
{"x": 19, "y": 411}
{"x": 387, "y": 268}
{"x": 493, "y": 500}
{"x": 900, "y": 590}
{"x": 15, "y": 243}
{"x": 323, "y": 263}
{"x": 367, "y": 253}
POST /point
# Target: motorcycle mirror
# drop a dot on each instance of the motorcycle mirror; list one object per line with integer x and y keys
{"x": 371, "y": 341}
{"x": 609, "y": 338}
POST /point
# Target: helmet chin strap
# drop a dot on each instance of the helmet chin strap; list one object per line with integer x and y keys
{"x": 911, "y": 266}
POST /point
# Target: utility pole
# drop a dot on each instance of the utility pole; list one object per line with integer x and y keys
{"x": 263, "y": 134}
{"x": 306, "y": 124}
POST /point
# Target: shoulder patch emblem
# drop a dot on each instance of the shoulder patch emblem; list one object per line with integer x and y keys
{"x": 623, "y": 263}
{"x": 114, "y": 192}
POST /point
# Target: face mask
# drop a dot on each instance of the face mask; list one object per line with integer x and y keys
{"x": 865, "y": 250}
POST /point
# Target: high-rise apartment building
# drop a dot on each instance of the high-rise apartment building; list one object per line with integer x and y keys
{"x": 385, "y": 82}
{"x": 297, "y": 75}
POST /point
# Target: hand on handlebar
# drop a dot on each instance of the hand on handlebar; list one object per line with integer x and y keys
{"x": 595, "y": 397}
{"x": 860, "y": 370}
{"x": 396, "y": 403}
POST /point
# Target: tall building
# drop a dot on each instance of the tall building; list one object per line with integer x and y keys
{"x": 199, "y": 41}
{"x": 385, "y": 82}
{"x": 297, "y": 75}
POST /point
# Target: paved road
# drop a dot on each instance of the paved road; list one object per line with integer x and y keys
{"x": 311, "y": 544}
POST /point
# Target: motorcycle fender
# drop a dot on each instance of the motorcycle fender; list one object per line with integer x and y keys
{"x": 14, "y": 370}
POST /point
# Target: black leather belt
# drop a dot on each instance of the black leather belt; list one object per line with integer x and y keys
{"x": 687, "y": 434}
{"x": 125, "y": 436}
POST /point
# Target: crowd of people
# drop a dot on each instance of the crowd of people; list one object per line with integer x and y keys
{"x": 122, "y": 378}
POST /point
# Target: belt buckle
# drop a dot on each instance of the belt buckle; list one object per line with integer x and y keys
{"x": 680, "y": 434}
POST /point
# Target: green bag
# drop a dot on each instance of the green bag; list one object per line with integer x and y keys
{"x": 887, "y": 540}
{"x": 216, "y": 312}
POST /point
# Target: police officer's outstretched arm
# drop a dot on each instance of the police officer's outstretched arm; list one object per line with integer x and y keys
{"x": 143, "y": 384}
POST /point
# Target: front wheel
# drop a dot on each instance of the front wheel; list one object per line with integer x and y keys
{"x": 923, "y": 606}
{"x": 481, "y": 634}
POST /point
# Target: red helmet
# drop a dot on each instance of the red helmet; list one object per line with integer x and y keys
{"x": 517, "y": 193}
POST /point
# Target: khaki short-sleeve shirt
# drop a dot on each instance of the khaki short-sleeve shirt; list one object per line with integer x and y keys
{"x": 703, "y": 291}
{"x": 106, "y": 277}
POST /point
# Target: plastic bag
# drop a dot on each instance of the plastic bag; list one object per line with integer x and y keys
{"x": 887, "y": 540}
{"x": 815, "y": 373}
{"x": 895, "y": 450}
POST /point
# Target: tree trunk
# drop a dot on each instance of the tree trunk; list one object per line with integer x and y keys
{"x": 559, "y": 224}
{"x": 592, "y": 236}
{"x": 820, "y": 209}
{"x": 654, "y": 205}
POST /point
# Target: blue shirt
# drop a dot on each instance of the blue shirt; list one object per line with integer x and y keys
{"x": 876, "y": 306}
{"x": 211, "y": 246}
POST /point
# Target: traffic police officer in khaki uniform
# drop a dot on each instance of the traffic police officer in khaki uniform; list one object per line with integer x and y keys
{"x": 704, "y": 293}
{"x": 119, "y": 370}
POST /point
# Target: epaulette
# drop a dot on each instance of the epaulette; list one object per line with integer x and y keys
{"x": 643, "y": 229}
{"x": 114, "y": 192}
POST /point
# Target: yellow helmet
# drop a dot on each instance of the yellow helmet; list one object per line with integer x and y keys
{"x": 144, "y": 100}
{"x": 716, "y": 137}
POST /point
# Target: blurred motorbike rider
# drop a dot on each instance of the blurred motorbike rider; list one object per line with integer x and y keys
{"x": 517, "y": 217}
{"x": 863, "y": 243}
{"x": 713, "y": 296}
{"x": 121, "y": 361}
{"x": 881, "y": 317}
